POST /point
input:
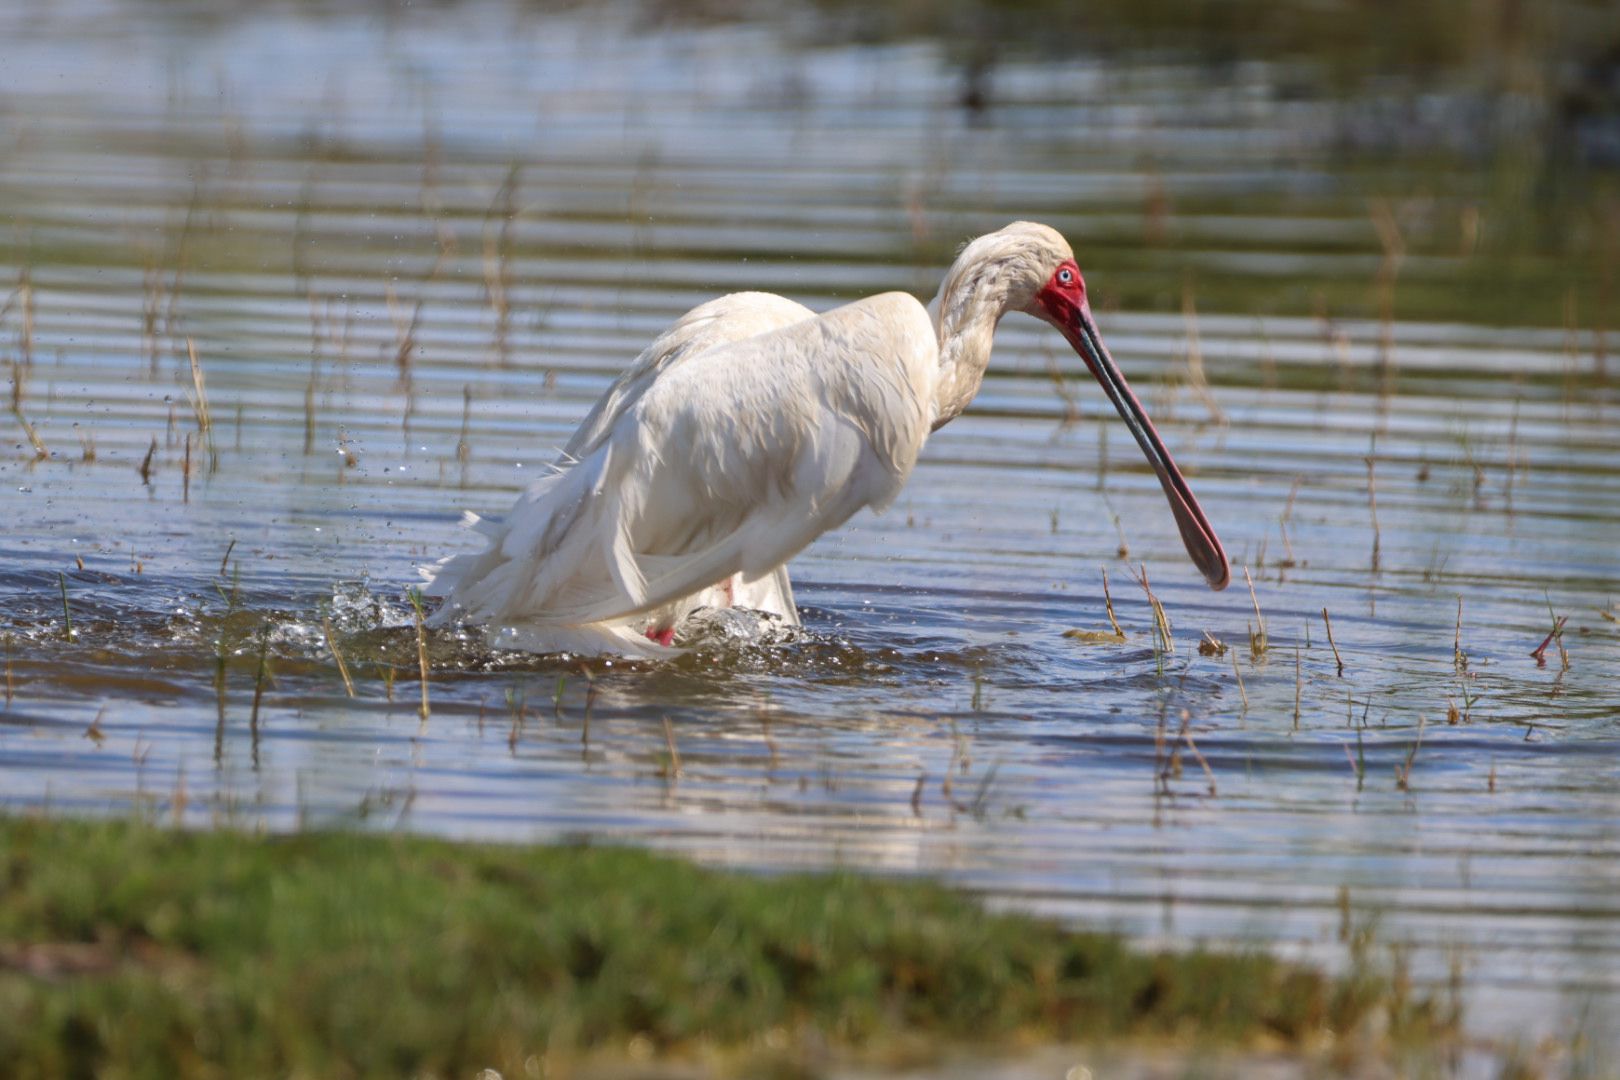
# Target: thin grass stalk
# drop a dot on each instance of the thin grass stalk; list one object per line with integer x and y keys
{"x": 1337, "y": 659}
{"x": 674, "y": 767}
{"x": 67, "y": 615}
{"x": 421, "y": 648}
{"x": 1257, "y": 636}
{"x": 1242, "y": 692}
{"x": 337, "y": 654}
{"x": 1108, "y": 603}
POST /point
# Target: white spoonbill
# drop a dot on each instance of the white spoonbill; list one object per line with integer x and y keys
{"x": 748, "y": 429}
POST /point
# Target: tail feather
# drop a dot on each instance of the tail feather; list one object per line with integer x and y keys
{"x": 676, "y": 577}
{"x": 565, "y": 531}
{"x": 771, "y": 592}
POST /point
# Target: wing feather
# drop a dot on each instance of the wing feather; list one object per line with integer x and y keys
{"x": 717, "y": 322}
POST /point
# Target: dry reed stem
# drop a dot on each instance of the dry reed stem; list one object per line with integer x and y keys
{"x": 1161, "y": 620}
{"x": 1257, "y": 637}
{"x": 309, "y": 408}
{"x": 1337, "y": 659}
{"x": 1108, "y": 604}
{"x": 1298, "y": 686}
{"x": 1196, "y": 378}
{"x": 181, "y": 261}
{"x": 498, "y": 258}
{"x": 40, "y": 450}
{"x": 67, "y": 615}
{"x": 1403, "y": 772}
{"x": 1512, "y": 454}
{"x": 404, "y": 334}
{"x": 590, "y": 700}
{"x": 95, "y": 733}
{"x": 11, "y": 300}
{"x": 1389, "y": 269}
{"x": 25, "y": 337}
{"x": 770, "y": 740}
{"x": 495, "y": 273}
{"x": 1282, "y": 523}
{"x": 1198, "y": 755}
{"x": 151, "y": 305}
{"x": 343, "y": 668}
{"x": 421, "y": 650}
{"x": 1459, "y": 659}
{"x": 1372, "y": 503}
{"x": 674, "y": 766}
{"x": 463, "y": 446}
{"x": 1124, "y": 550}
{"x": 1102, "y": 457}
{"x": 258, "y": 688}
{"x": 1065, "y": 392}
{"x": 199, "y": 401}
{"x": 515, "y": 702}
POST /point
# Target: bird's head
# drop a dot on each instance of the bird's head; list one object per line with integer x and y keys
{"x": 1033, "y": 269}
{"x": 1008, "y": 267}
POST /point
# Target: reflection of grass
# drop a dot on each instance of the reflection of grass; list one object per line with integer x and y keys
{"x": 1350, "y": 40}
{"x": 151, "y": 952}
{"x": 1513, "y": 240}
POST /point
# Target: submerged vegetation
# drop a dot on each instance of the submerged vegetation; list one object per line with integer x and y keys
{"x": 130, "y": 950}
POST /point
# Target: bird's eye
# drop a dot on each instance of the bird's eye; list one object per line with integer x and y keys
{"x": 1066, "y": 276}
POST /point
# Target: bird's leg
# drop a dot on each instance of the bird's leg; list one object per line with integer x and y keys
{"x": 664, "y": 637}
{"x": 728, "y": 587}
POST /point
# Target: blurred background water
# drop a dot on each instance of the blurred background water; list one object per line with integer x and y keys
{"x": 1358, "y": 258}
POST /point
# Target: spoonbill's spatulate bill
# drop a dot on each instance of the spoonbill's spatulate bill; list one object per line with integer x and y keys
{"x": 751, "y": 427}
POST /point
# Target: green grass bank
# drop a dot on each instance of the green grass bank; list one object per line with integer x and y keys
{"x": 128, "y": 950}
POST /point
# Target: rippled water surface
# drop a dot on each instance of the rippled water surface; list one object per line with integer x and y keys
{"x": 410, "y": 251}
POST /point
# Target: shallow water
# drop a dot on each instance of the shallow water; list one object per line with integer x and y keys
{"x": 514, "y": 204}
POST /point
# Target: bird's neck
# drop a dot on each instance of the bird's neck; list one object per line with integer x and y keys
{"x": 966, "y": 318}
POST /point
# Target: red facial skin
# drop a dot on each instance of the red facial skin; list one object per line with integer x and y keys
{"x": 1062, "y": 302}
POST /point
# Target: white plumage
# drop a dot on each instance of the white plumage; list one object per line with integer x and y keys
{"x": 747, "y": 429}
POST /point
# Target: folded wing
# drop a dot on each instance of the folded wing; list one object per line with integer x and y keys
{"x": 709, "y": 464}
